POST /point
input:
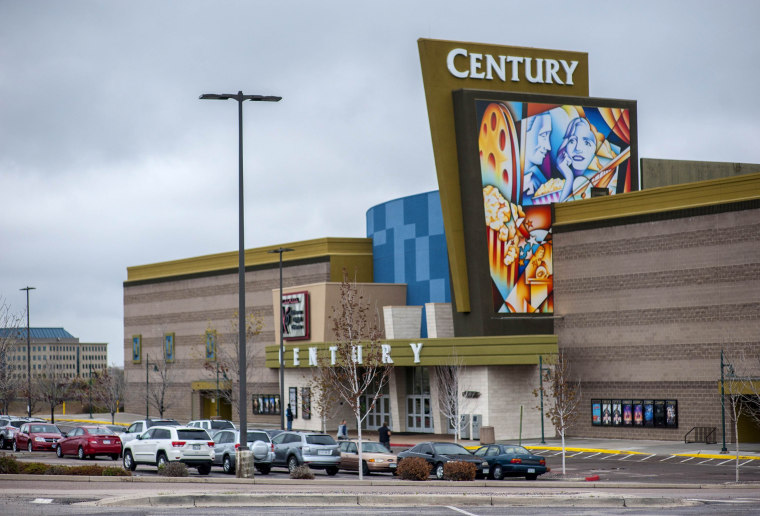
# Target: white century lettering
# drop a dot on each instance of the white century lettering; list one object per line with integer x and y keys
{"x": 333, "y": 352}
{"x": 356, "y": 354}
{"x": 295, "y": 357}
{"x": 416, "y": 347}
{"x": 486, "y": 66}
{"x": 386, "y": 358}
{"x": 312, "y": 356}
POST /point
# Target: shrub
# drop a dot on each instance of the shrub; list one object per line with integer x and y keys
{"x": 302, "y": 472}
{"x": 116, "y": 471}
{"x": 33, "y": 468}
{"x": 58, "y": 470}
{"x": 8, "y": 464}
{"x": 86, "y": 471}
{"x": 459, "y": 470}
{"x": 173, "y": 469}
{"x": 413, "y": 468}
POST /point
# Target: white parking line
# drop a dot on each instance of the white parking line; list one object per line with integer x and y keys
{"x": 687, "y": 459}
{"x": 555, "y": 454}
{"x": 460, "y": 510}
{"x": 594, "y": 455}
{"x": 667, "y": 458}
{"x": 649, "y": 457}
{"x": 708, "y": 460}
{"x": 626, "y": 457}
{"x": 574, "y": 454}
{"x": 609, "y": 456}
{"x": 747, "y": 462}
{"x": 721, "y": 463}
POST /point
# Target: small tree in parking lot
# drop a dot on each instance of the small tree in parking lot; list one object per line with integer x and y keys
{"x": 562, "y": 394}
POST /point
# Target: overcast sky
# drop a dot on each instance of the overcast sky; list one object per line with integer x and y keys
{"x": 109, "y": 160}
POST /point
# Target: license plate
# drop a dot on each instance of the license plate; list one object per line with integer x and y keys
{"x": 324, "y": 452}
{"x": 531, "y": 470}
{"x": 107, "y": 441}
{"x": 392, "y": 465}
{"x": 196, "y": 447}
{"x": 485, "y": 470}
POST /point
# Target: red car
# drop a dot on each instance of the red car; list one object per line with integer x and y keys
{"x": 90, "y": 441}
{"x": 36, "y": 436}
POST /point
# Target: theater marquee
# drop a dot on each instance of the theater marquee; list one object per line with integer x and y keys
{"x": 295, "y": 316}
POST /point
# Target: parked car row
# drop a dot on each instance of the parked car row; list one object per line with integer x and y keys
{"x": 206, "y": 443}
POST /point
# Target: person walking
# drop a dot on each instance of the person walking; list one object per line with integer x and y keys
{"x": 342, "y": 430}
{"x": 289, "y": 417}
{"x": 384, "y": 434}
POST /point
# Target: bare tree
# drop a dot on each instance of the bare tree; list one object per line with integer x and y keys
{"x": 356, "y": 366}
{"x": 158, "y": 389}
{"x": 52, "y": 388}
{"x": 110, "y": 387}
{"x": 325, "y": 399}
{"x": 563, "y": 395}
{"x": 10, "y": 376}
{"x": 227, "y": 356}
{"x": 449, "y": 379}
{"x": 740, "y": 392}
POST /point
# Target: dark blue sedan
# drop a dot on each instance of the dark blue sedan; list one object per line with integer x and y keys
{"x": 506, "y": 460}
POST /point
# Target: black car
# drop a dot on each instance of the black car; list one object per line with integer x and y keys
{"x": 506, "y": 460}
{"x": 438, "y": 454}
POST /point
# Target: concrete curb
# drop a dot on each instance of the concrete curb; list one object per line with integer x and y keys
{"x": 549, "y": 484}
{"x": 397, "y": 500}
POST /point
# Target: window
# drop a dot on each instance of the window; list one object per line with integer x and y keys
{"x": 319, "y": 439}
{"x": 163, "y": 433}
{"x": 192, "y": 434}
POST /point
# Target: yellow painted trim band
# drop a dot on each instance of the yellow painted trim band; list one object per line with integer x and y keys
{"x": 91, "y": 421}
{"x": 587, "y": 450}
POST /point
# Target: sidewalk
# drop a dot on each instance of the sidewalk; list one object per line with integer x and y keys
{"x": 402, "y": 441}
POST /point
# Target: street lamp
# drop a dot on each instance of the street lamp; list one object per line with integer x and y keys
{"x": 28, "y": 355}
{"x": 239, "y": 97}
{"x": 147, "y": 385}
{"x": 724, "y": 365}
{"x": 90, "y": 391}
{"x": 541, "y": 390}
{"x": 279, "y": 251}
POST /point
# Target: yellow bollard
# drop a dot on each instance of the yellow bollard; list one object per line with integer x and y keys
{"x": 64, "y": 408}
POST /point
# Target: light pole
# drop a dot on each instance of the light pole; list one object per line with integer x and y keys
{"x": 541, "y": 390}
{"x": 723, "y": 365}
{"x": 239, "y": 97}
{"x": 90, "y": 391}
{"x": 279, "y": 251}
{"x": 28, "y": 355}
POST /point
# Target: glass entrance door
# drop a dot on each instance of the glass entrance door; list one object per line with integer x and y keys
{"x": 418, "y": 415}
{"x": 379, "y": 413}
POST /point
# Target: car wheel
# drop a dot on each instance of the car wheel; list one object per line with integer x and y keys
{"x": 265, "y": 469}
{"x": 439, "y": 471}
{"x": 14, "y": 446}
{"x": 29, "y": 446}
{"x": 365, "y": 468}
{"x": 292, "y": 463}
{"x": 161, "y": 460}
{"x": 332, "y": 470}
{"x": 129, "y": 464}
{"x": 498, "y": 473}
{"x": 227, "y": 465}
{"x": 58, "y": 452}
{"x": 531, "y": 477}
{"x": 114, "y": 456}
{"x": 204, "y": 469}
{"x": 2, "y": 442}
{"x": 80, "y": 453}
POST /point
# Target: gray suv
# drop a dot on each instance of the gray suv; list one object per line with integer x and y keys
{"x": 226, "y": 443}
{"x": 9, "y": 426}
{"x": 318, "y": 451}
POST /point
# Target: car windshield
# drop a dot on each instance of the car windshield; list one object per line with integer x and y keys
{"x": 221, "y": 425}
{"x": 100, "y": 431}
{"x": 374, "y": 448}
{"x": 258, "y": 436}
{"x": 517, "y": 450}
{"x": 320, "y": 439}
{"x": 193, "y": 434}
{"x": 17, "y": 424}
{"x": 45, "y": 428}
{"x": 450, "y": 449}
{"x": 162, "y": 422}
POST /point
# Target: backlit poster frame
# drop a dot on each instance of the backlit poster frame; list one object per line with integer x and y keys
{"x": 659, "y": 413}
{"x": 648, "y": 413}
{"x": 671, "y": 413}
{"x": 596, "y": 412}
{"x": 617, "y": 413}
{"x": 627, "y": 413}
{"x": 295, "y": 316}
{"x": 606, "y": 413}
{"x": 638, "y": 413}
{"x": 293, "y": 400}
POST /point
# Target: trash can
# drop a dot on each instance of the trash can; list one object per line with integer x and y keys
{"x": 486, "y": 435}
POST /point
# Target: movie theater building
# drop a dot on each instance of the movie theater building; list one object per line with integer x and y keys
{"x": 547, "y": 233}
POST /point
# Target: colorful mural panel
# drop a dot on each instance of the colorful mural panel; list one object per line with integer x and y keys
{"x": 532, "y": 155}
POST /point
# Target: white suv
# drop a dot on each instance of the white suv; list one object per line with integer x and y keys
{"x": 162, "y": 444}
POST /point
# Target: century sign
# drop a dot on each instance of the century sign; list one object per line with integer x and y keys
{"x": 448, "y": 66}
{"x": 486, "y": 66}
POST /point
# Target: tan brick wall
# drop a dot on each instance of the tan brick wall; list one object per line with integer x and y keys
{"x": 643, "y": 311}
{"x": 187, "y": 307}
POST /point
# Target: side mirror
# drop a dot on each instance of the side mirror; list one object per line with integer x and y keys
{"x": 63, "y": 434}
